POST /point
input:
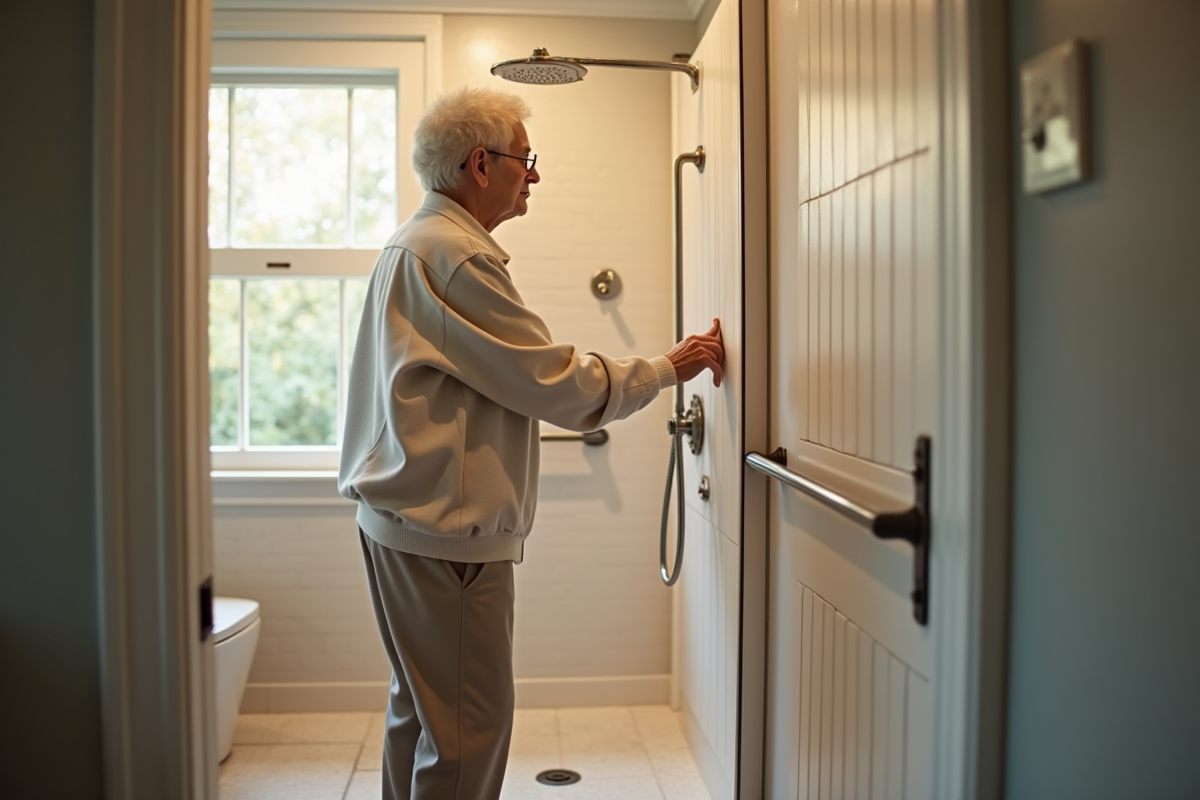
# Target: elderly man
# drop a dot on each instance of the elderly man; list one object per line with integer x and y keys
{"x": 451, "y": 374}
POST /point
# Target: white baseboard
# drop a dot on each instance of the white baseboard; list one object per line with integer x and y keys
{"x": 618, "y": 690}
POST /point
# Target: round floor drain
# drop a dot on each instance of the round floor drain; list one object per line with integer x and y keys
{"x": 558, "y": 777}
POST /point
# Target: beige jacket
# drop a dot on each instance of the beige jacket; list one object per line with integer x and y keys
{"x": 450, "y": 375}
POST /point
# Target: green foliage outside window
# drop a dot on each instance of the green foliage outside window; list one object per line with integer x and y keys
{"x": 224, "y": 358}
{"x": 293, "y": 335}
{"x": 292, "y": 339}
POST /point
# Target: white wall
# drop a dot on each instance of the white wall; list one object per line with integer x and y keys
{"x": 593, "y": 620}
{"x": 1105, "y": 645}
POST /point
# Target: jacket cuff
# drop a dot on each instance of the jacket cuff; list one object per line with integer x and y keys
{"x": 666, "y": 372}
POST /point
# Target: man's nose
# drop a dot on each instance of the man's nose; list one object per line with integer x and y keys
{"x": 532, "y": 176}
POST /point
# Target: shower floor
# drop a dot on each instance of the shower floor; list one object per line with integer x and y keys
{"x": 627, "y": 752}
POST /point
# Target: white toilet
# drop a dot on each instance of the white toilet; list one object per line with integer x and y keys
{"x": 235, "y": 633}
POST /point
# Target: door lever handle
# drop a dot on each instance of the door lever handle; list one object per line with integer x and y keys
{"x": 911, "y": 525}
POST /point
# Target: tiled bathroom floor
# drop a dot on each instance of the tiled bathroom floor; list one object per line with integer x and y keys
{"x": 625, "y": 752}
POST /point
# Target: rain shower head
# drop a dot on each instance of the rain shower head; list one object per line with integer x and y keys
{"x": 541, "y": 67}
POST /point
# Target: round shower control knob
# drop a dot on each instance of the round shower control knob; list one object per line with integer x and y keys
{"x": 606, "y": 284}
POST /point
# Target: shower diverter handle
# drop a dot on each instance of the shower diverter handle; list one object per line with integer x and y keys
{"x": 689, "y": 423}
{"x": 679, "y": 426}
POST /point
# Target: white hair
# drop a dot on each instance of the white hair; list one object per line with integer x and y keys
{"x": 457, "y": 123}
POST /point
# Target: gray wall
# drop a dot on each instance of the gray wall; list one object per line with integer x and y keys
{"x": 1105, "y": 640}
{"x": 49, "y": 668}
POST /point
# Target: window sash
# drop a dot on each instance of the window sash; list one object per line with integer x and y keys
{"x": 301, "y": 262}
{"x": 360, "y": 63}
{"x": 330, "y": 77}
{"x": 314, "y": 58}
{"x": 356, "y": 156}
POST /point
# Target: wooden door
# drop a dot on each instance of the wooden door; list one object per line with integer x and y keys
{"x": 854, "y": 356}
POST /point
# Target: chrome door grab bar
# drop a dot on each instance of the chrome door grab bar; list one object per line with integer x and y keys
{"x": 911, "y": 525}
{"x": 594, "y": 438}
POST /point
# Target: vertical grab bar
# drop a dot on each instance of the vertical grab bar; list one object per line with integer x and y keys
{"x": 681, "y": 423}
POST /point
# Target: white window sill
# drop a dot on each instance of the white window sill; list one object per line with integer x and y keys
{"x": 277, "y": 488}
{"x": 251, "y": 475}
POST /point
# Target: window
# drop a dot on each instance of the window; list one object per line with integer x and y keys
{"x": 301, "y": 164}
{"x": 308, "y": 178}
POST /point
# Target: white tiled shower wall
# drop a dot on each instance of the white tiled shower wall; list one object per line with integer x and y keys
{"x": 593, "y": 619}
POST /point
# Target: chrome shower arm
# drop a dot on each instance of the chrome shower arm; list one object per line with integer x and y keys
{"x": 671, "y": 66}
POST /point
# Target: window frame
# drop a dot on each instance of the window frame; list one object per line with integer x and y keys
{"x": 296, "y": 44}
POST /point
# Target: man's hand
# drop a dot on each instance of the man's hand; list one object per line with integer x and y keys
{"x": 697, "y": 353}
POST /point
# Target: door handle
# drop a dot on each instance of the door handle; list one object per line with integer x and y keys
{"x": 911, "y": 525}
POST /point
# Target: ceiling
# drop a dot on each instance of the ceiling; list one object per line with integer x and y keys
{"x": 622, "y": 9}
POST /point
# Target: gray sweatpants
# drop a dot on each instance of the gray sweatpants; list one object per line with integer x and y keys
{"x": 447, "y": 628}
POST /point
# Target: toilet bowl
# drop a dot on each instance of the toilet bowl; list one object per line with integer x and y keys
{"x": 235, "y": 634}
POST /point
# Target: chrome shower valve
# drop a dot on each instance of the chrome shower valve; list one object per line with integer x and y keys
{"x": 689, "y": 423}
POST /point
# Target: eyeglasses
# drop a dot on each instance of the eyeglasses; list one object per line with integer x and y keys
{"x": 530, "y": 161}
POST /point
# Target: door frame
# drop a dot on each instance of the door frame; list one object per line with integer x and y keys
{"x": 972, "y": 443}
{"x": 972, "y": 452}
{"x": 755, "y": 268}
{"x": 150, "y": 347}
{"x": 150, "y": 287}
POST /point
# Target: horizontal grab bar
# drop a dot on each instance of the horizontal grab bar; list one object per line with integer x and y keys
{"x": 911, "y": 525}
{"x": 594, "y": 438}
{"x": 826, "y": 496}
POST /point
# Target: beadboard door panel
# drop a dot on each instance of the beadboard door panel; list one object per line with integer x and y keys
{"x": 853, "y": 717}
{"x": 854, "y": 354}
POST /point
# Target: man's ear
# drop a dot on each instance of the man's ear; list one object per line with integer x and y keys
{"x": 477, "y": 165}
